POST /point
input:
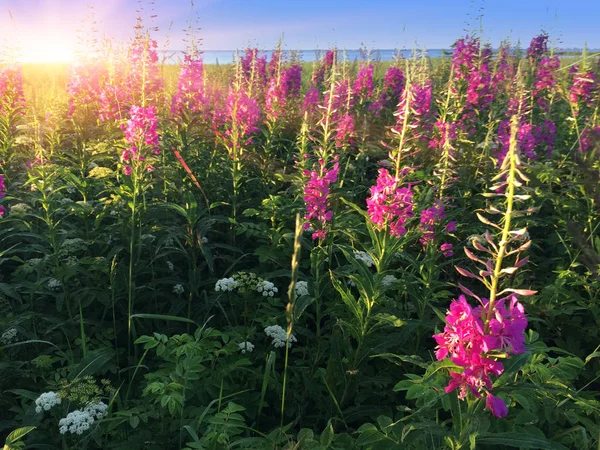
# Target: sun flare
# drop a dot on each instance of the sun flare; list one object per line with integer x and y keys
{"x": 47, "y": 51}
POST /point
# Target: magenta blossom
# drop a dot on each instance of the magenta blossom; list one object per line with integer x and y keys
{"x": 471, "y": 343}
{"x": 244, "y": 115}
{"x": 363, "y": 85}
{"x": 496, "y": 406}
{"x": 190, "y": 86}
{"x": 316, "y": 196}
{"x": 389, "y": 205}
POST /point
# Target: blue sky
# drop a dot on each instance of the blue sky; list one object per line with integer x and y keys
{"x": 308, "y": 24}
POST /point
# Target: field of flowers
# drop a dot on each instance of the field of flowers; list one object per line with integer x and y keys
{"x": 280, "y": 255}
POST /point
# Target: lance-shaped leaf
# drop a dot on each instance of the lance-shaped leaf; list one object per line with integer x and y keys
{"x": 487, "y": 221}
{"x": 524, "y": 292}
{"x": 466, "y": 273}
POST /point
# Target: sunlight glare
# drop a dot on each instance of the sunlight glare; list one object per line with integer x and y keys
{"x": 52, "y": 50}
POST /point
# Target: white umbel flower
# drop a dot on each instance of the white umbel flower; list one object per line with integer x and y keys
{"x": 388, "y": 280}
{"x": 267, "y": 288}
{"x": 178, "y": 289}
{"x": 54, "y": 284}
{"x": 301, "y": 288}
{"x": 364, "y": 257}
{"x": 46, "y": 401}
{"x": 9, "y": 336}
{"x": 246, "y": 347}
{"x": 279, "y": 336}
{"x": 225, "y": 284}
{"x": 79, "y": 421}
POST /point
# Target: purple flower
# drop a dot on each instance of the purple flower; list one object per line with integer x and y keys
{"x": 538, "y": 47}
{"x": 316, "y": 195}
{"x": 363, "y": 85}
{"x": 496, "y": 406}
{"x": 244, "y": 115}
{"x": 389, "y": 205}
{"x": 190, "y": 87}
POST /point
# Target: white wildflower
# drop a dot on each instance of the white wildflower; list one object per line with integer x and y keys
{"x": 388, "y": 281}
{"x": 20, "y": 208}
{"x": 79, "y": 420}
{"x": 267, "y": 288}
{"x": 301, "y": 288}
{"x": 54, "y": 284}
{"x": 9, "y": 336}
{"x": 226, "y": 284}
{"x": 204, "y": 240}
{"x": 46, "y": 401}
{"x": 364, "y": 257}
{"x": 246, "y": 347}
{"x": 72, "y": 261}
{"x": 70, "y": 246}
{"x": 279, "y": 336}
{"x": 178, "y": 289}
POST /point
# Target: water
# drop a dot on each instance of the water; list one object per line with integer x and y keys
{"x": 228, "y": 56}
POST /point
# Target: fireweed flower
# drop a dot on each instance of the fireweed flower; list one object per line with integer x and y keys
{"x": 344, "y": 131}
{"x": 504, "y": 69}
{"x": 144, "y": 73}
{"x": 320, "y": 73}
{"x": 363, "y": 85}
{"x": 420, "y": 110}
{"x": 244, "y": 116}
{"x": 586, "y": 142}
{"x": 84, "y": 88}
{"x": 465, "y": 57}
{"x": 393, "y": 86}
{"x": 316, "y": 195}
{"x": 581, "y": 91}
{"x": 311, "y": 101}
{"x": 525, "y": 139}
{"x": 11, "y": 89}
{"x": 538, "y": 47}
{"x": 430, "y": 218}
{"x": 446, "y": 250}
{"x": 254, "y": 68}
{"x": 274, "y": 101}
{"x": 544, "y": 135}
{"x": 190, "y": 86}
{"x": 393, "y": 83}
{"x": 470, "y": 344}
{"x": 2, "y": 194}
{"x": 142, "y": 136}
{"x": 545, "y": 81}
{"x": 389, "y": 205}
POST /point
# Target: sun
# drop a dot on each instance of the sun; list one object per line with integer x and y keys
{"x": 51, "y": 50}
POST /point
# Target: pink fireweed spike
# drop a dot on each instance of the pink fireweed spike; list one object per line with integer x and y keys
{"x": 316, "y": 196}
{"x": 467, "y": 343}
{"x": 390, "y": 206}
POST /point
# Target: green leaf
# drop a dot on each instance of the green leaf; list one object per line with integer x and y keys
{"x": 95, "y": 362}
{"x": 519, "y": 440}
{"x": 163, "y": 317}
{"x": 15, "y": 436}
{"x": 327, "y": 437}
